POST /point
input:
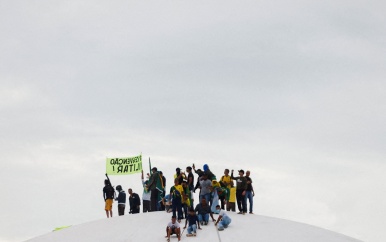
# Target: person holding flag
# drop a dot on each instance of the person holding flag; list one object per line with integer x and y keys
{"x": 156, "y": 187}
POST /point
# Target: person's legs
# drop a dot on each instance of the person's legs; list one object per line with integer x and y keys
{"x": 207, "y": 198}
{"x": 220, "y": 225}
{"x": 206, "y": 217}
{"x": 145, "y": 206}
{"x": 234, "y": 207}
{"x": 178, "y": 233}
{"x": 190, "y": 229}
{"x": 185, "y": 208}
{"x": 121, "y": 209}
{"x": 194, "y": 228}
{"x": 249, "y": 197}
{"x": 153, "y": 200}
{"x": 239, "y": 197}
{"x": 136, "y": 210}
{"x": 244, "y": 203}
{"x": 158, "y": 205}
{"x": 174, "y": 207}
{"x": 222, "y": 201}
{"x": 109, "y": 207}
{"x": 179, "y": 209}
{"x": 192, "y": 200}
{"x": 226, "y": 221}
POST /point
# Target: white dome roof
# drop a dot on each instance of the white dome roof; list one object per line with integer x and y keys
{"x": 151, "y": 227}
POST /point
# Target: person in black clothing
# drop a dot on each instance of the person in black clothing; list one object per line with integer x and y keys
{"x": 199, "y": 172}
{"x": 135, "y": 202}
{"x": 193, "y": 223}
{"x": 163, "y": 178}
{"x": 190, "y": 182}
{"x": 108, "y": 196}
{"x": 121, "y": 200}
{"x": 241, "y": 189}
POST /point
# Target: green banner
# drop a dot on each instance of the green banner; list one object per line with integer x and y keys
{"x": 124, "y": 165}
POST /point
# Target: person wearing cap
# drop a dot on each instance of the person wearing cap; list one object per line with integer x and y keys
{"x": 121, "y": 200}
{"x": 152, "y": 186}
{"x": 241, "y": 188}
{"x": 179, "y": 175}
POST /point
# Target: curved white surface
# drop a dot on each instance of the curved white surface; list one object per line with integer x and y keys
{"x": 151, "y": 227}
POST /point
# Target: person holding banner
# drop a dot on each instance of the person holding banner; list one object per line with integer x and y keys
{"x": 146, "y": 195}
{"x": 108, "y": 196}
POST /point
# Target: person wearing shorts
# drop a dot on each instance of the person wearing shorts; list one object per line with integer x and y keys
{"x": 108, "y": 196}
{"x": 173, "y": 227}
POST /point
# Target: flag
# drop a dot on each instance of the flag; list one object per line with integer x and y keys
{"x": 124, "y": 165}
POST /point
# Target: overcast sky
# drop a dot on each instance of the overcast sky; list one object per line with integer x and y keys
{"x": 293, "y": 91}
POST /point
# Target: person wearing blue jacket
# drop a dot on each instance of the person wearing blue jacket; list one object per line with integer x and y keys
{"x": 121, "y": 200}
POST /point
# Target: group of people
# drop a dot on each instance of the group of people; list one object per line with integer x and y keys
{"x": 109, "y": 196}
{"x": 214, "y": 197}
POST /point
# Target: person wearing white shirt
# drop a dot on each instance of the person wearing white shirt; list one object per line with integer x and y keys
{"x": 173, "y": 228}
{"x": 223, "y": 219}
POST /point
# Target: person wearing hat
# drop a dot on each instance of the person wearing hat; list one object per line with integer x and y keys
{"x": 121, "y": 200}
{"x": 209, "y": 173}
{"x": 241, "y": 188}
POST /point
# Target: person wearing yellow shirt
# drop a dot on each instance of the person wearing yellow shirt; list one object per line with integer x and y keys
{"x": 231, "y": 205}
{"x": 177, "y": 193}
{"x": 226, "y": 179}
